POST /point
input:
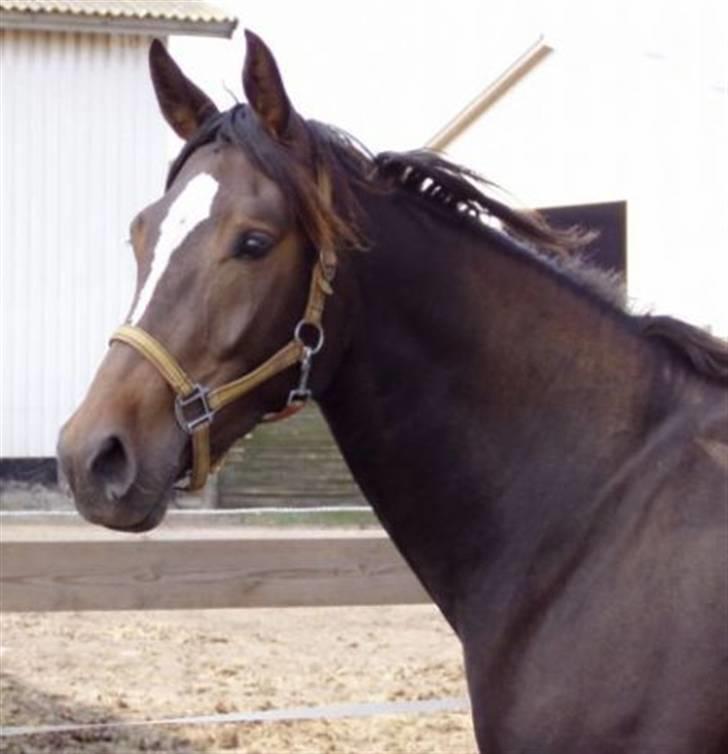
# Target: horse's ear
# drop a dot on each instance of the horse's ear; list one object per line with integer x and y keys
{"x": 184, "y": 106}
{"x": 264, "y": 87}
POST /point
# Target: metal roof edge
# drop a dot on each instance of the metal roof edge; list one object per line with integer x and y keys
{"x": 104, "y": 25}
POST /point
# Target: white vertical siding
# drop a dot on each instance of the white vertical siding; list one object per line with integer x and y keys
{"x": 82, "y": 148}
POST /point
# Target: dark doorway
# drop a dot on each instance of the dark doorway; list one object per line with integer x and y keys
{"x": 609, "y": 249}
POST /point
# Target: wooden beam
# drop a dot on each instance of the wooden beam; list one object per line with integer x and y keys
{"x": 187, "y": 569}
{"x": 490, "y": 95}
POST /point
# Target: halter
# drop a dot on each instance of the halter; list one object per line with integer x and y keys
{"x": 202, "y": 402}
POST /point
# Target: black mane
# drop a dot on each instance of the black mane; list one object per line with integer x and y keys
{"x": 455, "y": 187}
{"x": 706, "y": 354}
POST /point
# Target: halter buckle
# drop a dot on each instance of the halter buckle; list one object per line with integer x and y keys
{"x": 182, "y": 403}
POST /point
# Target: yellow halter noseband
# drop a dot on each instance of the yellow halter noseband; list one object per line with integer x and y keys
{"x": 191, "y": 396}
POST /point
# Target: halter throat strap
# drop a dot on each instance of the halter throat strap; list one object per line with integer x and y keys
{"x": 196, "y": 405}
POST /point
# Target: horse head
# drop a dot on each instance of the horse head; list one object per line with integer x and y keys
{"x": 234, "y": 264}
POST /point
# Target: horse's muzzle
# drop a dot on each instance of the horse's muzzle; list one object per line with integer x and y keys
{"x": 103, "y": 474}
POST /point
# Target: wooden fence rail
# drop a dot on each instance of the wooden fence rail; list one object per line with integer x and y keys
{"x": 45, "y": 567}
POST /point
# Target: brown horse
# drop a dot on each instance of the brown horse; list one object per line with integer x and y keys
{"x": 554, "y": 469}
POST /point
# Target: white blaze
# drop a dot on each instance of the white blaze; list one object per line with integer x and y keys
{"x": 188, "y": 210}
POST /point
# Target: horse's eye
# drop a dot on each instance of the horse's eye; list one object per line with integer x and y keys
{"x": 253, "y": 244}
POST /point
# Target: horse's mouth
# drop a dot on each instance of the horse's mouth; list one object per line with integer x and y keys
{"x": 138, "y": 510}
{"x": 152, "y": 519}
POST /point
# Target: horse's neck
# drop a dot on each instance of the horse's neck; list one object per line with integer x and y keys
{"x": 472, "y": 389}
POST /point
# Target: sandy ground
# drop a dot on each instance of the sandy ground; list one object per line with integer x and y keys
{"x": 91, "y": 667}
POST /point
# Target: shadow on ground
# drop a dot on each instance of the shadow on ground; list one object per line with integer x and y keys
{"x": 22, "y": 705}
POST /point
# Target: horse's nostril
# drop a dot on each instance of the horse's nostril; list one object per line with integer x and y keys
{"x": 112, "y": 466}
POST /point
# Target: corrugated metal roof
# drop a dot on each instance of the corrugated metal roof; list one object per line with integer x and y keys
{"x": 173, "y": 10}
{"x": 118, "y": 16}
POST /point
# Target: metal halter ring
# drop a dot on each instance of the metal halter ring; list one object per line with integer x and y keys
{"x": 205, "y": 416}
{"x": 318, "y": 344}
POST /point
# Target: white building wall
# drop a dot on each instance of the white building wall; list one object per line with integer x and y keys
{"x": 82, "y": 149}
{"x": 597, "y": 123}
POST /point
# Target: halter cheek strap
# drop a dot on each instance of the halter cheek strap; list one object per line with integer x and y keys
{"x": 195, "y": 405}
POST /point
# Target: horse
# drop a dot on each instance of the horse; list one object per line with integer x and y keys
{"x": 552, "y": 466}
